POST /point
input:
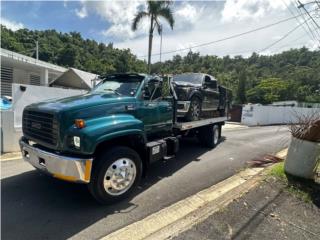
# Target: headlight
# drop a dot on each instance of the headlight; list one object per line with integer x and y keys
{"x": 76, "y": 141}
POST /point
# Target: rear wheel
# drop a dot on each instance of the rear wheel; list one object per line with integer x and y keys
{"x": 194, "y": 112}
{"x": 116, "y": 175}
{"x": 209, "y": 136}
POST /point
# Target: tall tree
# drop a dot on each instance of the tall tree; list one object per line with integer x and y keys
{"x": 241, "y": 91}
{"x": 155, "y": 10}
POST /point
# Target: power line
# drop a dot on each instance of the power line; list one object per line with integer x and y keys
{"x": 316, "y": 34}
{"x": 291, "y": 12}
{"x": 284, "y": 36}
{"x": 302, "y": 6}
{"x": 230, "y": 37}
{"x": 265, "y": 48}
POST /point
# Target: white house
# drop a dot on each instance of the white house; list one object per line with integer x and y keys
{"x": 19, "y": 75}
{"x": 18, "y": 68}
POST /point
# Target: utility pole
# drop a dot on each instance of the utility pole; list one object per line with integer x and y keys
{"x": 160, "y": 42}
{"x": 37, "y": 50}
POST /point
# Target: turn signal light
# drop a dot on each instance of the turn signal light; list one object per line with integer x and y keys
{"x": 80, "y": 123}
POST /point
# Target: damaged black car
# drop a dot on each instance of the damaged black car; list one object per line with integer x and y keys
{"x": 200, "y": 96}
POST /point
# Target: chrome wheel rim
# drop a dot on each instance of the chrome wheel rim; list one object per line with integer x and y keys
{"x": 195, "y": 110}
{"x": 215, "y": 135}
{"x": 120, "y": 176}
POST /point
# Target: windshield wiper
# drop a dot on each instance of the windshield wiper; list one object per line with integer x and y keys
{"x": 112, "y": 90}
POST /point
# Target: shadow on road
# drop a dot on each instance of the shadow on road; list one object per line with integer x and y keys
{"x": 35, "y": 206}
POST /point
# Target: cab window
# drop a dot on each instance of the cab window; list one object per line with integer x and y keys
{"x": 152, "y": 90}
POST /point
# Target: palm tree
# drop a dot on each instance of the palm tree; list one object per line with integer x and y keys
{"x": 155, "y": 10}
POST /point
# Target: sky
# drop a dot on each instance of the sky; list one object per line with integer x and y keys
{"x": 196, "y": 22}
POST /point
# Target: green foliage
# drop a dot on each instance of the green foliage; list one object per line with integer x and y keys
{"x": 295, "y": 187}
{"x": 165, "y": 90}
{"x": 241, "y": 91}
{"x": 71, "y": 50}
{"x": 269, "y": 90}
{"x": 290, "y": 75}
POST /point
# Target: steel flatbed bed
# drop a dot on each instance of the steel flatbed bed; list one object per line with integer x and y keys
{"x": 182, "y": 126}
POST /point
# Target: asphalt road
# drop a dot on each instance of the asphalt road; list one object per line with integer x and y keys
{"x": 35, "y": 206}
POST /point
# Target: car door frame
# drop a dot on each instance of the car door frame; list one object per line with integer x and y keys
{"x": 160, "y": 108}
{"x": 211, "y": 94}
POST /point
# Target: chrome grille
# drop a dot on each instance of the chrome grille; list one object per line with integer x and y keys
{"x": 40, "y": 126}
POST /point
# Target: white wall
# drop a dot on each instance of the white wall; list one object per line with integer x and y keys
{"x": 33, "y": 94}
{"x": 255, "y": 115}
{"x": 10, "y": 135}
{"x": 11, "y": 120}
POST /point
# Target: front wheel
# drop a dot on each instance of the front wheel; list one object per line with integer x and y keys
{"x": 116, "y": 175}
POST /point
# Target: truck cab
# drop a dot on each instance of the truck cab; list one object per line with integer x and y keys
{"x": 109, "y": 136}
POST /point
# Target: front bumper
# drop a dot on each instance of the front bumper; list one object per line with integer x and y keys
{"x": 62, "y": 167}
{"x": 182, "y": 108}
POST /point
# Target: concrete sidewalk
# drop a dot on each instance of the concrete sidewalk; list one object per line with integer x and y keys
{"x": 269, "y": 211}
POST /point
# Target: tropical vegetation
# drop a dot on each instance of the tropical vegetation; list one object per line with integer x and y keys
{"x": 290, "y": 75}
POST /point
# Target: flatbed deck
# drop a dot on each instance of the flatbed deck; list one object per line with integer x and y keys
{"x": 194, "y": 124}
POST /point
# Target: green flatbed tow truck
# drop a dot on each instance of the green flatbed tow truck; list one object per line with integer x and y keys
{"x": 108, "y": 137}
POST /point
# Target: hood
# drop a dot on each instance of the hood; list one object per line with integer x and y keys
{"x": 186, "y": 84}
{"x": 79, "y": 102}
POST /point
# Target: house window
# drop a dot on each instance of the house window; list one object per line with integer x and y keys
{"x": 6, "y": 81}
{"x": 35, "y": 79}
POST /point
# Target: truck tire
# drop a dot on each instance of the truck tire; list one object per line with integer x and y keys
{"x": 209, "y": 136}
{"x": 194, "y": 112}
{"x": 115, "y": 175}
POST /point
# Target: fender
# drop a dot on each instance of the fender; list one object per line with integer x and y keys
{"x": 100, "y": 129}
{"x": 195, "y": 93}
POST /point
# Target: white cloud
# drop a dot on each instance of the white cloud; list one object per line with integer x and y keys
{"x": 196, "y": 23}
{"x": 187, "y": 13}
{"x": 119, "y": 14}
{"x": 209, "y": 27}
{"x": 14, "y": 26}
{"x": 250, "y": 9}
{"x": 82, "y": 12}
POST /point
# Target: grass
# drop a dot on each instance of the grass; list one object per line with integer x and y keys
{"x": 277, "y": 171}
{"x": 297, "y": 187}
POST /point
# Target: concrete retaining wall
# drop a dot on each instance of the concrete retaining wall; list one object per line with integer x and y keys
{"x": 255, "y": 115}
{"x": 23, "y": 95}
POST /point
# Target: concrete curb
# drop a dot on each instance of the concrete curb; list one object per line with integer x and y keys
{"x": 172, "y": 220}
{"x": 10, "y": 156}
{"x": 180, "y": 216}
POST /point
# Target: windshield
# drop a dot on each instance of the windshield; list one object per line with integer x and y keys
{"x": 125, "y": 87}
{"x": 194, "y": 78}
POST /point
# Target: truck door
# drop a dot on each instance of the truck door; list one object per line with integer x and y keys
{"x": 155, "y": 113}
{"x": 211, "y": 94}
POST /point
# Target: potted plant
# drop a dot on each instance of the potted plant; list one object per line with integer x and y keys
{"x": 304, "y": 150}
